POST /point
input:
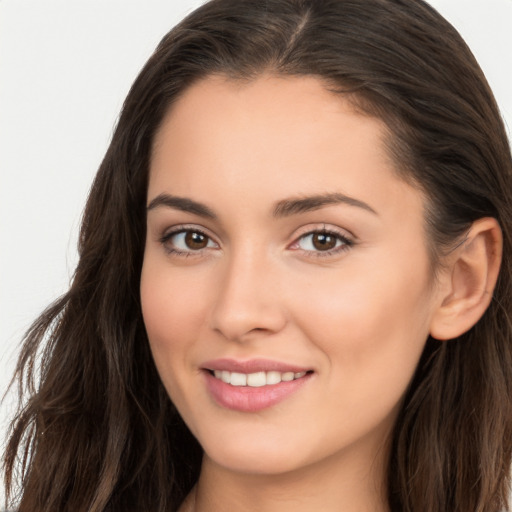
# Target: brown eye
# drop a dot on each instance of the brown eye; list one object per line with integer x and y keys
{"x": 323, "y": 241}
{"x": 195, "y": 240}
{"x": 187, "y": 241}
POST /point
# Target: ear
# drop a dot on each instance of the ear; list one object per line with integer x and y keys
{"x": 467, "y": 284}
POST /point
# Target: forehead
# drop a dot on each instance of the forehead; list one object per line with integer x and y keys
{"x": 273, "y": 137}
{"x": 299, "y": 104}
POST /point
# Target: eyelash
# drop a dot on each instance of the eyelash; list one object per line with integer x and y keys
{"x": 164, "y": 240}
{"x": 346, "y": 243}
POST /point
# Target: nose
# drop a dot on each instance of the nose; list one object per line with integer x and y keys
{"x": 248, "y": 300}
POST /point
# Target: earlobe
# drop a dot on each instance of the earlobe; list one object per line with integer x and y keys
{"x": 469, "y": 280}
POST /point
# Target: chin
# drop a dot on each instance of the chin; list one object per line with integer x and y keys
{"x": 275, "y": 463}
{"x": 264, "y": 456}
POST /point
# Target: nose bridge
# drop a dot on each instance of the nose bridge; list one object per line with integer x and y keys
{"x": 247, "y": 300}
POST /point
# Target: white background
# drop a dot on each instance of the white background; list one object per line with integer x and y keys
{"x": 65, "y": 68}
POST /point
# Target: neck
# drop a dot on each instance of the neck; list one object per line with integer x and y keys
{"x": 354, "y": 486}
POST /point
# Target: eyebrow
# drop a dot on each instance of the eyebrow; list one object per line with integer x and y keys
{"x": 181, "y": 203}
{"x": 289, "y": 207}
{"x": 284, "y": 208}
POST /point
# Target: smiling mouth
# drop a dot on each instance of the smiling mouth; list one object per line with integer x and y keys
{"x": 256, "y": 379}
{"x": 251, "y": 386}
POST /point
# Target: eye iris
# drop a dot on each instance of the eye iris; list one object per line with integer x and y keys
{"x": 195, "y": 240}
{"x": 323, "y": 241}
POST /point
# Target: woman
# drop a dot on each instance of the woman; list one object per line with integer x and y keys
{"x": 294, "y": 278}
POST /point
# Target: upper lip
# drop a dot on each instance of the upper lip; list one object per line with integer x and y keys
{"x": 252, "y": 366}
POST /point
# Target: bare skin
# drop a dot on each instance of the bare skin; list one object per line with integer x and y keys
{"x": 278, "y": 230}
{"x": 319, "y": 485}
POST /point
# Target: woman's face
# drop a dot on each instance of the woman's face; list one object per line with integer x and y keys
{"x": 286, "y": 288}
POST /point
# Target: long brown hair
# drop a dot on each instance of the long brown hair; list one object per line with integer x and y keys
{"x": 96, "y": 431}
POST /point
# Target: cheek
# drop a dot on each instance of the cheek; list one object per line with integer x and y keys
{"x": 371, "y": 331}
{"x": 173, "y": 316}
{"x": 171, "y": 305}
{"x": 374, "y": 323}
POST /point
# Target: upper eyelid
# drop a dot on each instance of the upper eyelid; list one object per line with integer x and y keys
{"x": 323, "y": 228}
{"x": 179, "y": 228}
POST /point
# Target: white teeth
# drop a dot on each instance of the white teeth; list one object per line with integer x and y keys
{"x": 238, "y": 379}
{"x": 273, "y": 377}
{"x": 257, "y": 379}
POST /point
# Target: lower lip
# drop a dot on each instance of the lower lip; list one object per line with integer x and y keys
{"x": 249, "y": 399}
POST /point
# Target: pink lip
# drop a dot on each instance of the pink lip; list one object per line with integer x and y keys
{"x": 252, "y": 366}
{"x": 246, "y": 398}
